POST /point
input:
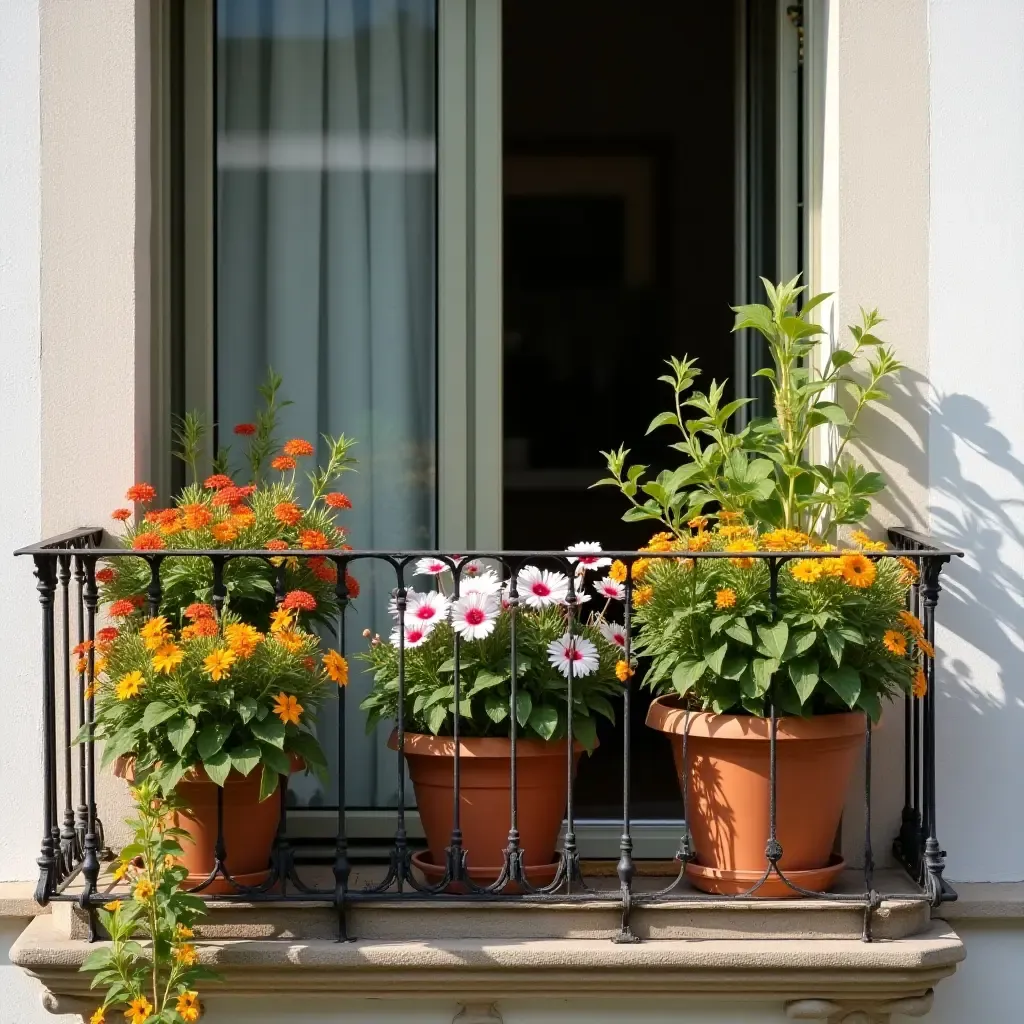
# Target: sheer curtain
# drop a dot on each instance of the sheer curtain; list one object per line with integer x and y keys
{"x": 326, "y": 272}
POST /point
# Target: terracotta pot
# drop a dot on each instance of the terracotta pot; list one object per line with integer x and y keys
{"x": 485, "y": 804}
{"x": 728, "y": 794}
{"x": 249, "y": 826}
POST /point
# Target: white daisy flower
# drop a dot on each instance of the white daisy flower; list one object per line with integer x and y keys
{"x": 486, "y": 583}
{"x": 411, "y": 595}
{"x": 613, "y": 633}
{"x": 415, "y": 634}
{"x": 576, "y": 653}
{"x": 474, "y": 616}
{"x": 588, "y": 557}
{"x": 431, "y": 567}
{"x": 538, "y": 587}
{"x": 426, "y": 609}
{"x": 473, "y": 568}
{"x": 610, "y": 589}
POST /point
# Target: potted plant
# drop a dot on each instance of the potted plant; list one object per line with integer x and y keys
{"x": 720, "y": 653}
{"x": 199, "y": 696}
{"x": 551, "y": 641}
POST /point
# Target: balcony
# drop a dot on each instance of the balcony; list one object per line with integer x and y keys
{"x": 629, "y": 914}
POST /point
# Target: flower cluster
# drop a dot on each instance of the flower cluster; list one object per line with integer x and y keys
{"x": 155, "y": 983}
{"x": 553, "y": 643}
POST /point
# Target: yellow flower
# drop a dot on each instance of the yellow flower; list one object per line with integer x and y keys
{"x": 113, "y": 906}
{"x": 154, "y": 631}
{"x": 622, "y": 670}
{"x": 188, "y": 1006}
{"x": 242, "y": 639}
{"x": 143, "y": 890}
{"x": 913, "y": 625}
{"x": 920, "y": 685}
{"x": 186, "y": 954}
{"x": 138, "y": 1011}
{"x": 725, "y": 598}
{"x": 100, "y": 666}
{"x": 785, "y": 540}
{"x": 741, "y": 545}
{"x": 640, "y": 567}
{"x": 182, "y": 931}
{"x": 617, "y": 571}
{"x": 725, "y": 516}
{"x": 336, "y": 667}
{"x": 642, "y": 596}
{"x": 699, "y": 541}
{"x": 129, "y": 685}
{"x": 287, "y": 708}
{"x": 910, "y": 569}
{"x": 280, "y": 618}
{"x": 732, "y": 532}
{"x": 120, "y": 870}
{"x": 807, "y": 570}
{"x": 167, "y": 657}
{"x": 698, "y": 522}
{"x": 289, "y": 640}
{"x": 858, "y": 571}
{"x": 218, "y": 664}
{"x": 99, "y": 1017}
{"x": 895, "y": 642}
{"x": 925, "y": 647}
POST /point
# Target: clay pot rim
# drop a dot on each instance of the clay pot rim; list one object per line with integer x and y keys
{"x": 666, "y": 716}
{"x": 492, "y": 747}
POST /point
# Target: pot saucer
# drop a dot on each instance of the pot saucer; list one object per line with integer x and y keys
{"x": 733, "y": 883}
{"x": 537, "y": 875}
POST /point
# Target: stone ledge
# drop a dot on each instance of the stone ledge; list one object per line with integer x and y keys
{"x": 985, "y": 901}
{"x": 837, "y": 972}
{"x": 17, "y": 900}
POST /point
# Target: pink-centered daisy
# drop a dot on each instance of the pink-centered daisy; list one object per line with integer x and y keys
{"x": 486, "y": 583}
{"x": 431, "y": 567}
{"x": 574, "y": 654}
{"x": 473, "y": 568}
{"x": 613, "y": 633}
{"x": 589, "y": 555}
{"x": 474, "y": 616}
{"x": 415, "y": 634}
{"x": 425, "y": 609}
{"x": 610, "y": 589}
{"x": 539, "y": 588}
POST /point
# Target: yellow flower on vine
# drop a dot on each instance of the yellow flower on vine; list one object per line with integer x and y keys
{"x": 188, "y": 1006}
{"x": 144, "y": 890}
{"x": 128, "y": 685}
{"x": 168, "y": 657}
{"x": 642, "y": 596}
{"x": 858, "y": 570}
{"x": 139, "y": 1011}
{"x": 217, "y": 665}
{"x": 807, "y": 570}
{"x": 895, "y": 642}
{"x": 280, "y": 618}
{"x": 186, "y": 954}
{"x": 623, "y": 670}
{"x": 154, "y": 632}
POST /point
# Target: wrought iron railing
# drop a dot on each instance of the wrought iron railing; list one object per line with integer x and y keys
{"x": 72, "y": 846}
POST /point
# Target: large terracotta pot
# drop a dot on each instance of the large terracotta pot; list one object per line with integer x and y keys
{"x": 485, "y": 804}
{"x": 728, "y": 793}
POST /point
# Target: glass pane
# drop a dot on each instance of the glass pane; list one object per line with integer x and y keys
{"x": 325, "y": 270}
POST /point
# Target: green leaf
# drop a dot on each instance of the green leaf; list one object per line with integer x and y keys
{"x": 98, "y": 959}
{"x": 269, "y": 730}
{"x": 799, "y": 643}
{"x": 156, "y": 714}
{"x": 735, "y": 666}
{"x": 244, "y": 758}
{"x": 268, "y": 783}
{"x": 246, "y": 708}
{"x": 212, "y": 738}
{"x": 218, "y": 767}
{"x": 275, "y": 759}
{"x": 845, "y": 681}
{"x": 832, "y": 412}
{"x": 524, "y": 706}
{"x": 786, "y": 698}
{"x": 686, "y": 674}
{"x": 868, "y": 701}
{"x": 764, "y": 669}
{"x": 179, "y": 731}
{"x": 739, "y": 630}
{"x": 170, "y": 775}
{"x": 716, "y": 657}
{"x": 836, "y": 643}
{"x": 436, "y": 716}
{"x": 663, "y": 419}
{"x": 495, "y": 707}
{"x": 544, "y": 721}
{"x": 308, "y": 748}
{"x": 636, "y": 515}
{"x": 805, "y": 675}
{"x": 121, "y": 742}
{"x": 841, "y": 357}
{"x": 774, "y": 639}
{"x": 584, "y": 731}
{"x": 601, "y": 705}
{"x": 484, "y": 680}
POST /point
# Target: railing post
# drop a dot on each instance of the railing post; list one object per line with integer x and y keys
{"x": 90, "y": 848}
{"x": 44, "y": 572}
{"x": 624, "y": 869}
{"x": 67, "y": 834}
{"x": 342, "y": 867}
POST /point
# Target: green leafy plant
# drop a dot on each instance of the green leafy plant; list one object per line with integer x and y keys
{"x": 155, "y": 980}
{"x": 836, "y": 636}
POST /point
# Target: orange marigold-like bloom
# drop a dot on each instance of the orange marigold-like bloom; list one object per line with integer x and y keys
{"x": 336, "y": 667}
{"x": 287, "y": 708}
{"x": 741, "y": 545}
{"x": 858, "y": 570}
{"x": 287, "y": 512}
{"x": 227, "y": 496}
{"x": 142, "y": 493}
{"x": 283, "y": 463}
{"x": 725, "y": 598}
{"x": 807, "y": 570}
{"x": 642, "y": 596}
{"x": 242, "y": 638}
{"x": 106, "y": 575}
{"x": 107, "y": 635}
{"x": 326, "y": 571}
{"x": 83, "y": 648}
{"x": 910, "y": 569}
{"x": 784, "y": 540}
{"x": 121, "y": 514}
{"x": 121, "y": 608}
{"x": 242, "y": 517}
{"x": 188, "y": 1007}
{"x": 725, "y": 516}
{"x": 196, "y": 516}
{"x": 148, "y": 542}
{"x": 351, "y": 586}
{"x": 911, "y": 623}
{"x": 217, "y": 481}
{"x": 337, "y": 500}
{"x": 297, "y": 446}
{"x": 277, "y": 545}
{"x": 617, "y": 571}
{"x": 698, "y": 522}
{"x": 300, "y": 600}
{"x": 199, "y": 610}
{"x": 623, "y": 670}
{"x": 895, "y": 642}
{"x": 245, "y": 429}
{"x": 700, "y": 541}
{"x": 167, "y": 657}
{"x": 313, "y": 540}
{"x": 218, "y": 664}
{"x": 289, "y": 639}
{"x": 223, "y": 532}
{"x": 201, "y": 627}
{"x": 920, "y": 685}
{"x": 925, "y": 647}
{"x": 186, "y": 954}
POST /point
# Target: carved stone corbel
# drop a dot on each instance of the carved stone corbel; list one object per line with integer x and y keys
{"x": 857, "y": 1012}
{"x": 477, "y": 1013}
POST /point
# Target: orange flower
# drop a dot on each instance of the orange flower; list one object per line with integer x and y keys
{"x": 920, "y": 685}
{"x": 642, "y": 596}
{"x": 223, "y": 532}
{"x": 106, "y": 575}
{"x": 83, "y": 648}
{"x": 336, "y": 667}
{"x": 289, "y": 640}
{"x": 242, "y": 638}
{"x": 784, "y": 540}
{"x": 218, "y": 664}
{"x": 280, "y": 618}
{"x": 618, "y": 571}
{"x": 148, "y": 542}
{"x": 741, "y": 545}
{"x": 195, "y": 516}
{"x": 895, "y": 642}
{"x": 910, "y": 569}
{"x": 698, "y": 522}
{"x": 858, "y": 570}
{"x": 245, "y": 429}
{"x": 287, "y": 708}
{"x": 121, "y": 608}
{"x": 313, "y": 540}
{"x": 287, "y": 512}
{"x": 297, "y": 446}
{"x": 324, "y": 570}
{"x": 188, "y": 1007}
{"x": 299, "y": 600}
{"x": 242, "y": 517}
{"x": 283, "y": 463}
{"x": 217, "y": 481}
{"x": 351, "y": 586}
{"x": 623, "y": 670}
{"x": 229, "y": 496}
{"x": 186, "y": 954}
{"x": 121, "y": 514}
{"x": 106, "y": 636}
{"x": 725, "y": 598}
{"x": 201, "y": 627}
{"x": 199, "y": 610}
{"x": 142, "y": 493}
{"x": 700, "y": 541}
{"x": 725, "y": 516}
{"x": 277, "y": 545}
{"x": 154, "y": 632}
{"x": 337, "y": 500}
{"x": 912, "y": 623}
{"x": 925, "y": 647}
{"x": 81, "y": 664}
{"x": 167, "y": 657}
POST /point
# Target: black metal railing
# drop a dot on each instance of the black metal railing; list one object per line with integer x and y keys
{"x": 72, "y": 845}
